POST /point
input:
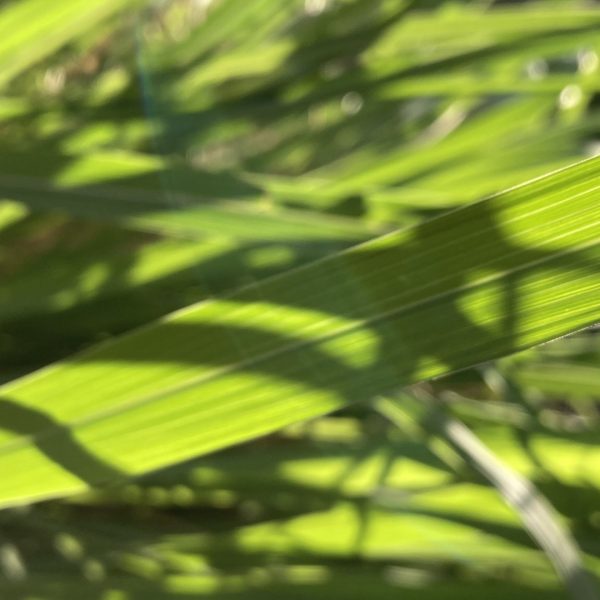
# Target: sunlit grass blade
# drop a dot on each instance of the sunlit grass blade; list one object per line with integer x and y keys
{"x": 496, "y": 277}
{"x": 25, "y": 38}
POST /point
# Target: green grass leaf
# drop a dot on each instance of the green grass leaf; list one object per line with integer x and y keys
{"x": 498, "y": 276}
{"x": 25, "y": 38}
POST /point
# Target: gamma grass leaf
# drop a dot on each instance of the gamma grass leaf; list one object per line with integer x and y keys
{"x": 495, "y": 277}
{"x": 129, "y": 189}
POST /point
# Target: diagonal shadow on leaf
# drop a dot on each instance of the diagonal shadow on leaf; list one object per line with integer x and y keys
{"x": 56, "y": 442}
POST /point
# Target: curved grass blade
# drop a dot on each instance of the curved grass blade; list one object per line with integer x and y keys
{"x": 519, "y": 493}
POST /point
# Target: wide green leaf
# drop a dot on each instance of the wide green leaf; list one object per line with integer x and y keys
{"x": 498, "y": 276}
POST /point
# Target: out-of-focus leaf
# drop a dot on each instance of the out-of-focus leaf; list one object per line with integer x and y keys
{"x": 30, "y": 30}
{"x": 146, "y": 193}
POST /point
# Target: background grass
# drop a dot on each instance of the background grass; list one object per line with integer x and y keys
{"x": 154, "y": 155}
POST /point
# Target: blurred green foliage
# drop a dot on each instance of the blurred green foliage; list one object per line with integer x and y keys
{"x": 155, "y": 154}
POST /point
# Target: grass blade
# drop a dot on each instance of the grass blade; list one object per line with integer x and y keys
{"x": 534, "y": 510}
{"x": 498, "y": 276}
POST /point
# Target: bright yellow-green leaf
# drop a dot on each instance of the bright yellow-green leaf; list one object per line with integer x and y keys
{"x": 493, "y": 278}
